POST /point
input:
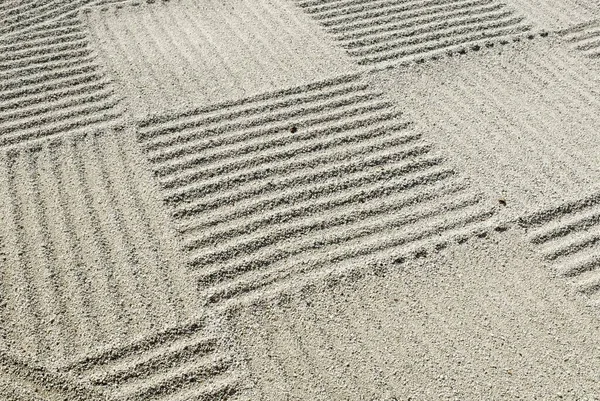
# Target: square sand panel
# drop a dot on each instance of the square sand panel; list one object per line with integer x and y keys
{"x": 281, "y": 190}
{"x": 87, "y": 259}
{"x": 190, "y": 53}
{"x": 521, "y": 119}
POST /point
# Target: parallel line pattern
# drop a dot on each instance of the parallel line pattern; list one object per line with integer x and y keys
{"x": 386, "y": 31}
{"x": 568, "y": 237}
{"x": 180, "y": 363}
{"x": 553, "y": 15}
{"x": 51, "y": 85}
{"x": 182, "y": 54}
{"x": 19, "y": 17}
{"x": 256, "y": 187}
{"x": 585, "y": 38}
{"x": 508, "y": 119}
{"x": 20, "y": 381}
{"x": 87, "y": 257}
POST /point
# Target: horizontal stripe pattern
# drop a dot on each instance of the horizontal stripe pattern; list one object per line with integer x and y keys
{"x": 51, "y": 84}
{"x": 376, "y": 32}
{"x": 585, "y": 39}
{"x": 183, "y": 362}
{"x": 258, "y": 188}
{"x": 568, "y": 237}
{"x": 19, "y": 17}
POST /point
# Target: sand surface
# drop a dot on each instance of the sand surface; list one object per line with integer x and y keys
{"x": 299, "y": 200}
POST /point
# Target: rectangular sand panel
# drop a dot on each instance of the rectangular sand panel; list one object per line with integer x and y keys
{"x": 287, "y": 184}
{"x": 520, "y": 119}
{"x": 378, "y": 33}
{"x": 176, "y": 54}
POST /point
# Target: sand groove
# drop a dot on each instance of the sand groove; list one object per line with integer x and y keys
{"x": 50, "y": 84}
{"x": 88, "y": 260}
{"x": 585, "y": 38}
{"x": 22, "y": 382}
{"x": 183, "y": 362}
{"x": 383, "y": 31}
{"x": 257, "y": 187}
{"x": 568, "y": 236}
{"x": 183, "y": 54}
{"x": 361, "y": 337}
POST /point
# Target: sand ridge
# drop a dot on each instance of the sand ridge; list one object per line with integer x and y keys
{"x": 92, "y": 259}
{"x": 527, "y": 155}
{"x": 456, "y": 324}
{"x": 585, "y": 38}
{"x": 51, "y": 84}
{"x": 567, "y": 237}
{"x": 551, "y": 15}
{"x": 384, "y": 32}
{"x": 298, "y": 199}
{"x": 249, "y": 194}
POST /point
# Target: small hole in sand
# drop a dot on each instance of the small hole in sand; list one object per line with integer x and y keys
{"x": 462, "y": 51}
{"x": 502, "y": 201}
{"x": 490, "y": 44}
{"x": 420, "y": 61}
{"x": 530, "y": 37}
{"x": 399, "y": 260}
{"x": 441, "y": 245}
{"x": 544, "y": 34}
{"x": 421, "y": 253}
{"x": 293, "y": 130}
{"x": 500, "y": 229}
{"x": 476, "y": 48}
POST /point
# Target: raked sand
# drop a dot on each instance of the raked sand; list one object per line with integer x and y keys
{"x": 299, "y": 200}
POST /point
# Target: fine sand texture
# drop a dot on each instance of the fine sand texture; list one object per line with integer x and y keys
{"x": 553, "y": 15}
{"x": 190, "y": 53}
{"x": 455, "y": 325}
{"x": 51, "y": 84}
{"x": 518, "y": 117}
{"x": 257, "y": 201}
{"x": 381, "y": 32}
{"x": 299, "y": 200}
{"x": 86, "y": 257}
{"x": 584, "y": 38}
